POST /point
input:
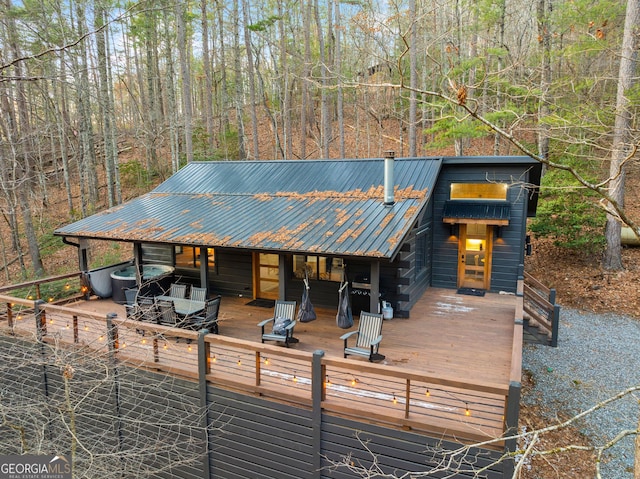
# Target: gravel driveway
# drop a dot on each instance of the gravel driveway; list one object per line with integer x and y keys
{"x": 598, "y": 356}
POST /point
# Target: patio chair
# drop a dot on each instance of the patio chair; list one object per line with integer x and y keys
{"x": 284, "y": 312}
{"x": 197, "y": 294}
{"x": 209, "y": 319}
{"x": 131, "y": 306}
{"x": 368, "y": 337}
{"x": 168, "y": 315}
{"x": 178, "y": 290}
{"x": 148, "y": 311}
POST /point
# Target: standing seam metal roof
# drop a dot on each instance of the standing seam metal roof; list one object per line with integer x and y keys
{"x": 331, "y": 207}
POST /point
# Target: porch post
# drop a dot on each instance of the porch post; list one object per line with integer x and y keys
{"x": 374, "y": 299}
{"x": 282, "y": 265}
{"x": 137, "y": 261}
{"x": 204, "y": 268}
{"x": 83, "y": 256}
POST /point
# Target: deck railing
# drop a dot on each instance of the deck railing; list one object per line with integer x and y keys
{"x": 540, "y": 307}
{"x": 465, "y": 410}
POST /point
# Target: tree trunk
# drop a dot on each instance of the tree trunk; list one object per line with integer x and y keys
{"x": 545, "y": 7}
{"x": 325, "y": 137}
{"x": 239, "y": 101}
{"x": 105, "y": 103}
{"x": 206, "y": 64}
{"x": 174, "y": 140}
{"x": 621, "y": 147}
{"x": 338, "y": 70}
{"x": 413, "y": 80}
{"x": 185, "y": 74}
{"x": 305, "y": 109}
{"x": 252, "y": 80}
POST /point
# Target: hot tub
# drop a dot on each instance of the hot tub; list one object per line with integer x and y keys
{"x": 156, "y": 278}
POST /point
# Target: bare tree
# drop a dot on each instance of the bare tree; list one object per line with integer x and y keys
{"x": 622, "y": 149}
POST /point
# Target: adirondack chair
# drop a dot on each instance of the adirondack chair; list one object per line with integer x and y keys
{"x": 209, "y": 318}
{"x": 283, "y": 310}
{"x": 178, "y": 290}
{"x": 368, "y": 337}
{"x": 197, "y": 294}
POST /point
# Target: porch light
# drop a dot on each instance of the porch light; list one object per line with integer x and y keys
{"x": 86, "y": 328}
{"x": 214, "y": 358}
{"x": 50, "y": 320}
{"x": 395, "y": 399}
{"x": 144, "y": 341}
{"x": 67, "y": 285}
{"x": 354, "y": 382}
{"x": 101, "y": 338}
{"x": 467, "y": 411}
{"x": 427, "y": 393}
{"x": 239, "y": 362}
{"x": 266, "y": 361}
{"x": 19, "y": 317}
{"x": 328, "y": 382}
{"x": 67, "y": 325}
{"x": 189, "y": 348}
{"x": 165, "y": 346}
{"x": 295, "y": 378}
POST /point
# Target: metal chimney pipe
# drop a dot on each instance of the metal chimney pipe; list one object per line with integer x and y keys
{"x": 389, "y": 157}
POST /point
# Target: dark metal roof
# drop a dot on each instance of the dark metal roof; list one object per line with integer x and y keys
{"x": 476, "y": 210}
{"x": 317, "y": 206}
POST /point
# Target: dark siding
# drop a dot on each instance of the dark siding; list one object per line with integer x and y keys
{"x": 234, "y": 273}
{"x": 23, "y": 395}
{"x": 396, "y": 452}
{"x": 254, "y": 438}
{"x": 507, "y": 252}
{"x": 149, "y": 424}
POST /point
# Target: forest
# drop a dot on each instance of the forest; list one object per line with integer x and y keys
{"x": 99, "y": 98}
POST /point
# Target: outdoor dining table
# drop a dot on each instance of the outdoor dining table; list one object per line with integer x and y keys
{"x": 183, "y": 306}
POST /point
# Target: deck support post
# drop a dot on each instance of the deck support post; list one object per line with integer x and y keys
{"x": 512, "y": 412}
{"x": 113, "y": 346}
{"x": 317, "y": 395}
{"x": 204, "y": 368}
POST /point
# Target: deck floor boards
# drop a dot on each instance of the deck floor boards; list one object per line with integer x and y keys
{"x": 460, "y": 336}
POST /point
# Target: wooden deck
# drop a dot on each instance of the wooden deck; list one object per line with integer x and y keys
{"x": 465, "y": 337}
{"x": 447, "y": 368}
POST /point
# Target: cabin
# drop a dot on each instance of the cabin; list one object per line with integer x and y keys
{"x": 390, "y": 227}
{"x": 435, "y": 238}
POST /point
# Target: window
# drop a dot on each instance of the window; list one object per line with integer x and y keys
{"x": 422, "y": 258}
{"x": 318, "y": 267}
{"x": 189, "y": 257}
{"x": 479, "y": 191}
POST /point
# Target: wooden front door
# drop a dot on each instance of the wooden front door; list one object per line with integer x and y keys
{"x": 266, "y": 275}
{"x": 474, "y": 255}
